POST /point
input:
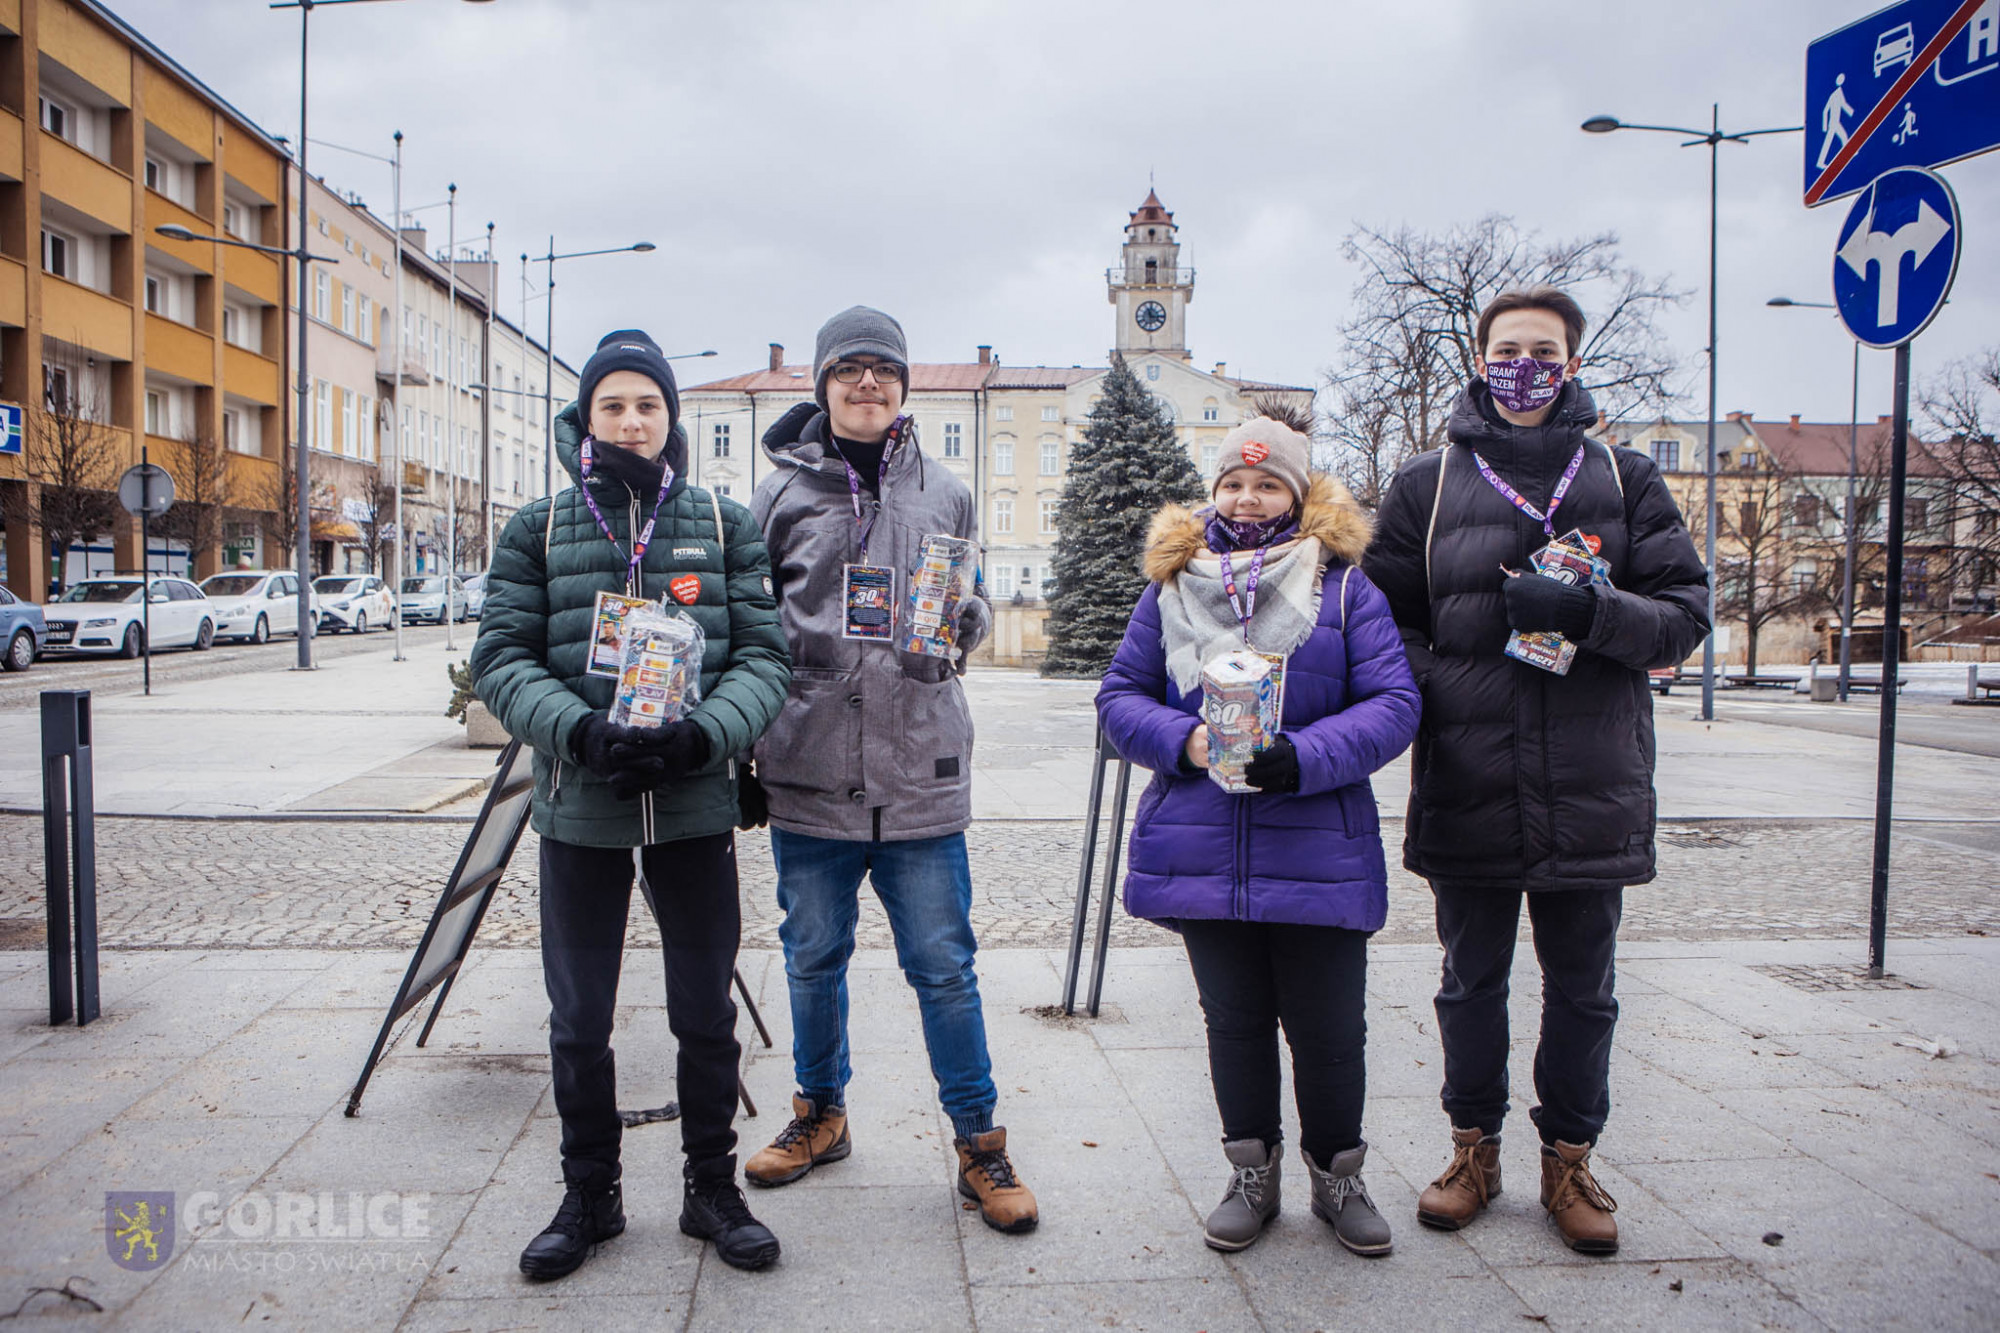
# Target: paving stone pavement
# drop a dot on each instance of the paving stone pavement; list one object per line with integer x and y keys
{"x": 338, "y": 885}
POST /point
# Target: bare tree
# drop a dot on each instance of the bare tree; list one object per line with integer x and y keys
{"x": 1410, "y": 348}
{"x": 72, "y": 460}
{"x": 1772, "y": 555}
{"x": 380, "y": 496}
{"x": 1961, "y": 406}
{"x": 277, "y": 500}
{"x": 204, "y": 488}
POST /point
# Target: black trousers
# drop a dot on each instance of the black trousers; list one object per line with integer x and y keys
{"x": 1254, "y": 976}
{"x": 586, "y": 896}
{"x": 1576, "y": 938}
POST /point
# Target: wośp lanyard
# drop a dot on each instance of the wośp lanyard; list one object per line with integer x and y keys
{"x": 867, "y": 523}
{"x": 1246, "y": 607}
{"x": 645, "y": 536}
{"x": 1520, "y": 502}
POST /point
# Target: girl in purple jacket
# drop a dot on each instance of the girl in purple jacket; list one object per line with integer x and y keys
{"x": 1274, "y": 892}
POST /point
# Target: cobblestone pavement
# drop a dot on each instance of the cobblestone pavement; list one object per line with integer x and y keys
{"x": 299, "y": 884}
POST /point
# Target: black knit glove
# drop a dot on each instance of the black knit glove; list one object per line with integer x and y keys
{"x": 1536, "y": 602}
{"x": 593, "y": 741}
{"x": 636, "y": 776}
{"x": 678, "y": 746}
{"x": 753, "y": 808}
{"x": 1275, "y": 768}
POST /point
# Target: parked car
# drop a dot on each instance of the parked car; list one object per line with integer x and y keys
{"x": 106, "y": 615}
{"x": 475, "y": 595}
{"x": 254, "y": 604}
{"x": 354, "y": 602}
{"x": 23, "y": 631}
{"x": 424, "y": 599}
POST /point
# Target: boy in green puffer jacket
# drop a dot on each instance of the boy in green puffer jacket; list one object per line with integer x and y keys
{"x": 632, "y": 526}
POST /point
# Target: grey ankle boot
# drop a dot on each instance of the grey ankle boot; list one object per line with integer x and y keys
{"x": 1340, "y": 1199}
{"x": 1252, "y": 1199}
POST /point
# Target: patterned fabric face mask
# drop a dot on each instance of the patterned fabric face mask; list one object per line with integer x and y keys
{"x": 1524, "y": 384}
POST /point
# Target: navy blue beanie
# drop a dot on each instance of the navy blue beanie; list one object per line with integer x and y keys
{"x": 628, "y": 349}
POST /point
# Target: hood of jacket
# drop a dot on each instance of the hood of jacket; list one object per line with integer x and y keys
{"x": 569, "y": 452}
{"x": 1476, "y": 423}
{"x": 799, "y": 439}
{"x": 1177, "y": 534}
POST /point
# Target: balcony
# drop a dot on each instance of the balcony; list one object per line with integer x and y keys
{"x": 13, "y": 293}
{"x": 93, "y": 188}
{"x": 1135, "y": 275}
{"x": 177, "y": 350}
{"x": 260, "y": 275}
{"x": 254, "y": 483}
{"x": 249, "y": 375}
{"x": 11, "y": 137}
{"x": 77, "y": 314}
{"x": 414, "y": 370}
{"x": 162, "y": 211}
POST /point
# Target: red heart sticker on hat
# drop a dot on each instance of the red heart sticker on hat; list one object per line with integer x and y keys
{"x": 1255, "y": 452}
{"x": 686, "y": 589}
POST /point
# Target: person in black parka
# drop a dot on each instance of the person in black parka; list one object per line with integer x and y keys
{"x": 1525, "y": 782}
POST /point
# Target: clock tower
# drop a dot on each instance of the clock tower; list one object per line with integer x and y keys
{"x": 1149, "y": 288}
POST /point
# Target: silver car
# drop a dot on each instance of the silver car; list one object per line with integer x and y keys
{"x": 424, "y": 598}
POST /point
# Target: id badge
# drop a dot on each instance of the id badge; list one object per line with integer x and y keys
{"x": 868, "y": 602}
{"x": 607, "y": 631}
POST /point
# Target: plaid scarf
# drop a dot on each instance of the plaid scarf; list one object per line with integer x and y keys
{"x": 1199, "y": 625}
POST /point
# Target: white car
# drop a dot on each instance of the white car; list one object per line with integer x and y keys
{"x": 254, "y": 604}
{"x": 475, "y": 595}
{"x": 105, "y": 615}
{"x": 424, "y": 599}
{"x": 354, "y": 602}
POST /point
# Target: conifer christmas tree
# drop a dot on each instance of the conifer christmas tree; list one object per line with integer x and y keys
{"x": 1129, "y": 465}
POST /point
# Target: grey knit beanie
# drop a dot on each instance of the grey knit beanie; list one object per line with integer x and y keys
{"x": 859, "y": 331}
{"x": 1262, "y": 442}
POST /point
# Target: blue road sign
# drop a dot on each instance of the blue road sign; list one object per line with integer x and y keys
{"x": 1897, "y": 256}
{"x": 1913, "y": 85}
{"x": 10, "y": 429}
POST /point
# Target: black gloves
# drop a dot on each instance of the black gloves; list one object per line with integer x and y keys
{"x": 593, "y": 741}
{"x": 1536, "y": 602}
{"x": 1275, "y": 768}
{"x": 634, "y": 760}
{"x": 753, "y": 809}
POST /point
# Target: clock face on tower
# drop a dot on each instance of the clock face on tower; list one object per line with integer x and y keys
{"x": 1150, "y": 316}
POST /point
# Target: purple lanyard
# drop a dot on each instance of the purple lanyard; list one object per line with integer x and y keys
{"x": 645, "y": 535}
{"x": 854, "y": 481}
{"x": 1247, "y": 607}
{"x": 1520, "y": 502}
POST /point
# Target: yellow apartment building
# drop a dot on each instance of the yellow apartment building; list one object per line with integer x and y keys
{"x": 112, "y": 337}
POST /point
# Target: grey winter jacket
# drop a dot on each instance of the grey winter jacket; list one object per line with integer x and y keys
{"x": 872, "y": 743}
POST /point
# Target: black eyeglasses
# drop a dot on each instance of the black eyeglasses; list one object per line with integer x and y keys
{"x": 850, "y": 372}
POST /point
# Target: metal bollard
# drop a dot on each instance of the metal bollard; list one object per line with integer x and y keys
{"x": 69, "y": 837}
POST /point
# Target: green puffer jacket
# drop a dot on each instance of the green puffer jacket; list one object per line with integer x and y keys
{"x": 528, "y": 665}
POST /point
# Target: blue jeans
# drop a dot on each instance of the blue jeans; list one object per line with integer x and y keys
{"x": 926, "y": 888}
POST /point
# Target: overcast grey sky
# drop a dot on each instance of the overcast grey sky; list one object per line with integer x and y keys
{"x": 968, "y": 164}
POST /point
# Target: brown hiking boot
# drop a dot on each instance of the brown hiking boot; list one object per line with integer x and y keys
{"x": 815, "y": 1136}
{"x": 987, "y": 1177}
{"x": 1579, "y": 1205}
{"x": 1468, "y": 1183}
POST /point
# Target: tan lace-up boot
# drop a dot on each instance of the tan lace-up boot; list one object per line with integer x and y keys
{"x": 1470, "y": 1181}
{"x": 987, "y": 1177}
{"x": 815, "y": 1136}
{"x": 1579, "y": 1205}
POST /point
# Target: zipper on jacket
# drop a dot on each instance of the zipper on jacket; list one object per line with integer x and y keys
{"x": 555, "y": 783}
{"x": 635, "y": 587}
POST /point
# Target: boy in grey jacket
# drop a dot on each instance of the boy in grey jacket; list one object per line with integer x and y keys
{"x": 868, "y": 769}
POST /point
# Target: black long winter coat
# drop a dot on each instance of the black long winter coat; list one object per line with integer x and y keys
{"x": 1524, "y": 779}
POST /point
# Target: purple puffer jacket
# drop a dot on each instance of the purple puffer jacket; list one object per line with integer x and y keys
{"x": 1313, "y": 857}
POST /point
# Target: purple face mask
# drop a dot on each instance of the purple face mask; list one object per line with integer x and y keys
{"x": 1524, "y": 384}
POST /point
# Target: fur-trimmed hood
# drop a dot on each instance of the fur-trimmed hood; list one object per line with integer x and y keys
{"x": 1178, "y": 534}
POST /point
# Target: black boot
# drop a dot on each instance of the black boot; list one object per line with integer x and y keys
{"x": 713, "y": 1210}
{"x": 591, "y": 1212}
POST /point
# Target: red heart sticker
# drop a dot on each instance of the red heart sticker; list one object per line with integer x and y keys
{"x": 1255, "y": 452}
{"x": 686, "y": 589}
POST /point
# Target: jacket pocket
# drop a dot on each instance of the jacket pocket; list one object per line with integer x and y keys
{"x": 815, "y": 744}
{"x": 936, "y": 748}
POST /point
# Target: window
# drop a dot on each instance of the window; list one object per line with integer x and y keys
{"x": 1003, "y": 515}
{"x": 723, "y": 490}
{"x": 1916, "y": 512}
{"x": 1049, "y": 507}
{"x": 1667, "y": 455}
{"x": 1917, "y": 580}
{"x": 350, "y": 439}
{"x": 1003, "y": 580}
{"x": 1805, "y": 574}
{"x": 322, "y": 295}
{"x": 346, "y": 308}
{"x": 1746, "y": 517}
{"x": 365, "y": 329}
{"x": 403, "y": 442}
{"x": 1211, "y": 456}
{"x": 156, "y": 295}
{"x": 156, "y": 175}
{"x": 323, "y": 417}
{"x": 1806, "y": 510}
{"x": 1210, "y": 412}
{"x": 56, "y": 390}
{"x": 156, "y": 412}
{"x": 236, "y": 221}
{"x": 1004, "y": 412}
{"x": 1003, "y": 457}
{"x": 438, "y": 362}
{"x": 1052, "y": 413}
{"x": 232, "y": 430}
{"x": 59, "y": 254}
{"x": 232, "y": 325}
{"x": 1051, "y": 458}
{"x": 59, "y": 119}
{"x": 1747, "y": 460}
{"x": 954, "y": 440}
{"x": 720, "y": 436}
{"x": 520, "y": 408}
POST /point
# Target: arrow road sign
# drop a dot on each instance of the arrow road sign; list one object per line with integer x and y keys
{"x": 1897, "y": 256}
{"x": 1913, "y": 85}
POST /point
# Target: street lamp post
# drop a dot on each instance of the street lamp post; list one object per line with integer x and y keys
{"x": 450, "y": 407}
{"x": 549, "y": 350}
{"x": 1853, "y": 469}
{"x": 1714, "y": 137}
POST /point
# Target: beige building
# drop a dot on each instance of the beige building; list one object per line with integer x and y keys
{"x": 1007, "y": 431}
